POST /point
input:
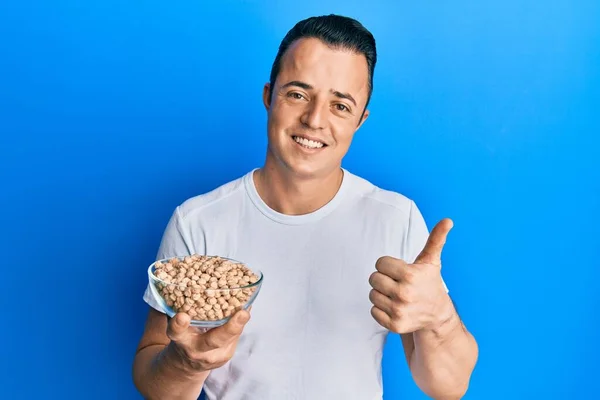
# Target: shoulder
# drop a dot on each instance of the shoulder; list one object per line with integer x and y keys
{"x": 396, "y": 211}
{"x": 221, "y": 196}
{"x": 381, "y": 199}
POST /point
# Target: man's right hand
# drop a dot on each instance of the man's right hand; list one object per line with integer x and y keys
{"x": 203, "y": 351}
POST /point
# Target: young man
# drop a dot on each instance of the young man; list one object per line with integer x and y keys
{"x": 345, "y": 262}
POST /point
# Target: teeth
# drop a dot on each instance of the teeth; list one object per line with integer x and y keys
{"x": 308, "y": 143}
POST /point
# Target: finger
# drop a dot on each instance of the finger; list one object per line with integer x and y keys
{"x": 381, "y": 301}
{"x": 226, "y": 333}
{"x": 177, "y": 327}
{"x": 392, "y": 267}
{"x": 383, "y": 284}
{"x": 382, "y": 317}
{"x": 432, "y": 252}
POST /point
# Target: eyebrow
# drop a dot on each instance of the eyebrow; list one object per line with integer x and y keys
{"x": 306, "y": 86}
{"x": 346, "y": 96}
{"x": 300, "y": 84}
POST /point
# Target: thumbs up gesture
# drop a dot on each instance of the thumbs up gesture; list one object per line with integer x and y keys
{"x": 409, "y": 297}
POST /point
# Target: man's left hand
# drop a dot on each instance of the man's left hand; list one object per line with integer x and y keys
{"x": 409, "y": 297}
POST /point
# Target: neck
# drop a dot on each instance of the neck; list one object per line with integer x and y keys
{"x": 287, "y": 193}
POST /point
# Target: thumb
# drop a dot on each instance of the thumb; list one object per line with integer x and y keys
{"x": 432, "y": 252}
{"x": 178, "y": 326}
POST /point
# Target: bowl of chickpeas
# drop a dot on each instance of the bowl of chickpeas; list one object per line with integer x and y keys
{"x": 210, "y": 289}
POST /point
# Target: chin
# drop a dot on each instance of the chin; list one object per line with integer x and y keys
{"x": 310, "y": 170}
{"x": 299, "y": 165}
{"x": 305, "y": 171}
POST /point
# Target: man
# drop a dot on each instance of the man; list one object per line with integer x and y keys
{"x": 345, "y": 263}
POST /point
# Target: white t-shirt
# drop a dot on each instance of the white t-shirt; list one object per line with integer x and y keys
{"x": 311, "y": 335}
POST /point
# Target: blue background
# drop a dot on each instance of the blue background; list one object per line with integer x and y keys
{"x": 112, "y": 113}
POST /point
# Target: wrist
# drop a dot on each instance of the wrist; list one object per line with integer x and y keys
{"x": 446, "y": 320}
{"x": 174, "y": 358}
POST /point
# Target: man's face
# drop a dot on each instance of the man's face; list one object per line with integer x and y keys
{"x": 316, "y": 107}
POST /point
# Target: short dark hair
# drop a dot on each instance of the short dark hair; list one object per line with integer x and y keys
{"x": 336, "y": 31}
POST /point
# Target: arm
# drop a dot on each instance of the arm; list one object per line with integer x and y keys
{"x": 159, "y": 371}
{"x": 442, "y": 358}
{"x": 176, "y": 364}
{"x": 412, "y": 300}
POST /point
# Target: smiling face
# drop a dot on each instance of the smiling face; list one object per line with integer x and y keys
{"x": 316, "y": 107}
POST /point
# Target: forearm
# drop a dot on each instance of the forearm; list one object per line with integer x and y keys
{"x": 444, "y": 358}
{"x": 159, "y": 373}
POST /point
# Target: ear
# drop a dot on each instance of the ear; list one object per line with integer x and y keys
{"x": 362, "y": 120}
{"x": 266, "y": 97}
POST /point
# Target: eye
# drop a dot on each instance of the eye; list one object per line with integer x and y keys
{"x": 295, "y": 95}
{"x": 341, "y": 107}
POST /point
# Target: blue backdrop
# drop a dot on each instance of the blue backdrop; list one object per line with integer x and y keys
{"x": 112, "y": 113}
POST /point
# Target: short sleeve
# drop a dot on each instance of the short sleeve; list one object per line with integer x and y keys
{"x": 417, "y": 235}
{"x": 173, "y": 244}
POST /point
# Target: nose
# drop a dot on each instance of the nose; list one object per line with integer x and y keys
{"x": 314, "y": 116}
